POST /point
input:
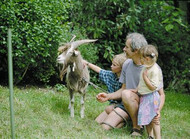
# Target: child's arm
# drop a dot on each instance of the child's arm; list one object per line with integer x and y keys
{"x": 162, "y": 101}
{"x": 92, "y": 66}
{"x": 162, "y": 98}
{"x": 147, "y": 81}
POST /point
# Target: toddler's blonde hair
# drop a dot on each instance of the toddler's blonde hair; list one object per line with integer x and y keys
{"x": 149, "y": 51}
{"x": 120, "y": 59}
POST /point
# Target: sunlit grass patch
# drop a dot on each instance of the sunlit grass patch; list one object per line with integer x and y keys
{"x": 43, "y": 113}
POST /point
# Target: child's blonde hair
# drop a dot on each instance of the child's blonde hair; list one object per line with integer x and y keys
{"x": 149, "y": 51}
{"x": 120, "y": 59}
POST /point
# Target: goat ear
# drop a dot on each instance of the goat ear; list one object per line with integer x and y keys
{"x": 76, "y": 53}
{"x": 63, "y": 48}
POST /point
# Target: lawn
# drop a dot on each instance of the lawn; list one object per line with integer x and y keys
{"x": 42, "y": 113}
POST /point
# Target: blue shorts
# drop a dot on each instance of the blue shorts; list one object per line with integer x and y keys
{"x": 121, "y": 106}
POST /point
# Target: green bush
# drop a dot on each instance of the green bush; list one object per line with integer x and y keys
{"x": 37, "y": 29}
{"x": 171, "y": 34}
{"x": 161, "y": 23}
{"x": 39, "y": 26}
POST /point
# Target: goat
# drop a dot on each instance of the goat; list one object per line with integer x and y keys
{"x": 77, "y": 76}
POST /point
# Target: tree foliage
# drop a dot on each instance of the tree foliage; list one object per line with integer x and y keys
{"x": 37, "y": 28}
{"x": 161, "y": 23}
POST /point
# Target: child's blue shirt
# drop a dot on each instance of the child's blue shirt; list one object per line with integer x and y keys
{"x": 110, "y": 79}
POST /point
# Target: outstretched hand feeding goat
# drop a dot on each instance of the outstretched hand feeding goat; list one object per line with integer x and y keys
{"x": 77, "y": 77}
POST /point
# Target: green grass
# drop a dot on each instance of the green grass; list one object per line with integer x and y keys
{"x": 43, "y": 113}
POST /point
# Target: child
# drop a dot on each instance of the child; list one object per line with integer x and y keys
{"x": 150, "y": 81}
{"x": 111, "y": 80}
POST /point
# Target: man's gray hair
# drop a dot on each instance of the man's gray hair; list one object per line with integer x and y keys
{"x": 137, "y": 40}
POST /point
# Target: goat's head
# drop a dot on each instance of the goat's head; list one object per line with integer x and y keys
{"x": 69, "y": 51}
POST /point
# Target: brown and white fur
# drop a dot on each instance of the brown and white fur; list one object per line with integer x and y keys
{"x": 71, "y": 59}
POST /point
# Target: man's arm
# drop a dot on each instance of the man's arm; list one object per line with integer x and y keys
{"x": 103, "y": 97}
{"x": 117, "y": 95}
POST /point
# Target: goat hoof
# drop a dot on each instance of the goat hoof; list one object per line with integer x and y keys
{"x": 82, "y": 116}
{"x": 72, "y": 116}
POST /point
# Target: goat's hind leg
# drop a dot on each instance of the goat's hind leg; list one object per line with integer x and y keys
{"x": 71, "y": 103}
{"x": 82, "y": 105}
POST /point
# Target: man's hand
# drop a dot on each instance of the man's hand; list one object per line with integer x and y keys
{"x": 102, "y": 97}
{"x": 134, "y": 90}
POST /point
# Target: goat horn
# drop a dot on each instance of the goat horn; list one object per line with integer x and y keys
{"x": 75, "y": 44}
{"x": 74, "y": 36}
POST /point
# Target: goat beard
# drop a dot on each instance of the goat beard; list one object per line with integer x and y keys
{"x": 63, "y": 72}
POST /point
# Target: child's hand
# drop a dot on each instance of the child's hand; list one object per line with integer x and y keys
{"x": 85, "y": 62}
{"x": 156, "y": 119}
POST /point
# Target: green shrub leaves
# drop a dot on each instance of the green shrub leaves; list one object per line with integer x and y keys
{"x": 37, "y": 28}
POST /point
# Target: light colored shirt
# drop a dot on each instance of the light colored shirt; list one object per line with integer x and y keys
{"x": 155, "y": 77}
{"x": 130, "y": 74}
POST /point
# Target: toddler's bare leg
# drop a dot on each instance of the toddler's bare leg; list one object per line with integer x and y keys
{"x": 156, "y": 129}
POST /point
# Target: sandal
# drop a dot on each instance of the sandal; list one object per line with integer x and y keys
{"x": 142, "y": 129}
{"x": 136, "y": 132}
{"x": 124, "y": 119}
{"x": 150, "y": 137}
{"x": 108, "y": 125}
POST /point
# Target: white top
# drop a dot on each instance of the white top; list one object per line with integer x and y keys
{"x": 155, "y": 77}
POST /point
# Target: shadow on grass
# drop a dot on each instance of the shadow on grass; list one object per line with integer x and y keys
{"x": 60, "y": 105}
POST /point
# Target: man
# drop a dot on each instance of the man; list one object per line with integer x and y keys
{"x": 130, "y": 79}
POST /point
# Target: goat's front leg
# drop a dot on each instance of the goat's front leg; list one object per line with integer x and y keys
{"x": 82, "y": 105}
{"x": 71, "y": 103}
